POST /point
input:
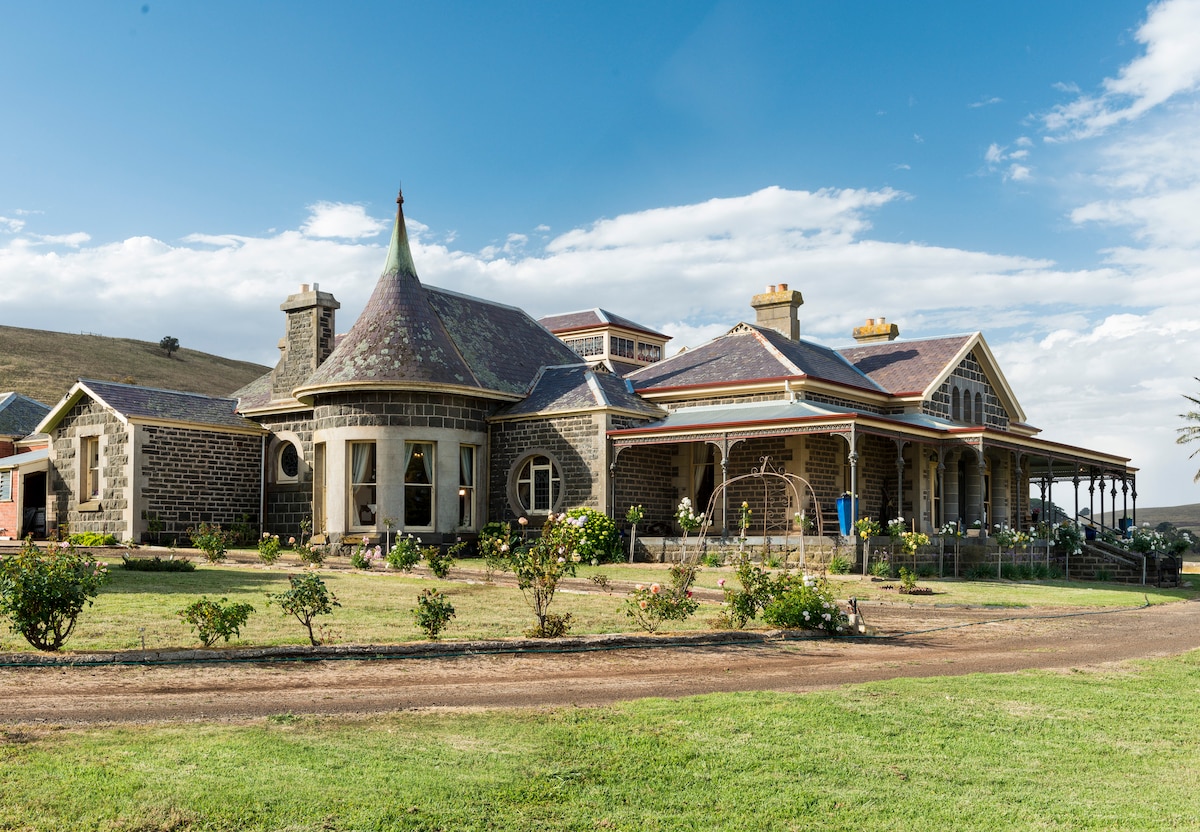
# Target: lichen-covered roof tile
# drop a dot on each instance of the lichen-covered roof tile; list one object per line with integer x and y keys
{"x": 504, "y": 347}
{"x": 134, "y": 402}
{"x": 905, "y": 366}
{"x": 577, "y": 387}
{"x": 750, "y": 353}
{"x": 398, "y": 338}
{"x": 19, "y": 415}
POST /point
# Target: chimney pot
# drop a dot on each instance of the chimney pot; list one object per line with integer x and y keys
{"x": 783, "y": 287}
{"x": 770, "y": 288}
{"x": 303, "y": 288}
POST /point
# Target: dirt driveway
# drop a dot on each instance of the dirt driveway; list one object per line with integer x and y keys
{"x": 918, "y": 642}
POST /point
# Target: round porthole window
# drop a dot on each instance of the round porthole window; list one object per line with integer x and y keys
{"x": 289, "y": 461}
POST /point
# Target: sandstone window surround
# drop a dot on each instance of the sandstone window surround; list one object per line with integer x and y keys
{"x": 419, "y": 484}
{"x": 537, "y": 485}
{"x": 362, "y": 479}
{"x": 90, "y": 484}
{"x": 286, "y": 459}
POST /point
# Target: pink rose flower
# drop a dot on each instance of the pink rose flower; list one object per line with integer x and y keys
{"x": 654, "y": 589}
{"x": 721, "y": 582}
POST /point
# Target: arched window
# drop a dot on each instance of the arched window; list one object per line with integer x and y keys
{"x": 955, "y": 405}
{"x": 966, "y": 414}
{"x": 979, "y": 408}
{"x": 538, "y": 485}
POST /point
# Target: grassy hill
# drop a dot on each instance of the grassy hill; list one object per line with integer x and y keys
{"x": 1184, "y": 517}
{"x": 44, "y": 365}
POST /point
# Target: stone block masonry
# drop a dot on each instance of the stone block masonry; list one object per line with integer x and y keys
{"x": 576, "y": 443}
{"x": 187, "y": 477}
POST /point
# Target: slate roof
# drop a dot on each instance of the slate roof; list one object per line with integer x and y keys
{"x": 577, "y": 387}
{"x": 504, "y": 347}
{"x": 750, "y": 353}
{"x": 135, "y": 403}
{"x": 254, "y": 395}
{"x": 19, "y": 415}
{"x": 591, "y": 319}
{"x": 409, "y": 334}
{"x": 902, "y": 367}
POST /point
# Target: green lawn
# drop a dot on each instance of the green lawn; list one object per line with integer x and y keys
{"x": 1034, "y": 750}
{"x": 376, "y": 607}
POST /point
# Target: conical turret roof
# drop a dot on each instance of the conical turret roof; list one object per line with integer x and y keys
{"x": 398, "y": 341}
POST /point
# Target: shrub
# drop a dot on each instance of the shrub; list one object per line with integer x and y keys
{"x": 712, "y": 559}
{"x": 881, "y": 568}
{"x": 210, "y": 539}
{"x": 908, "y": 580}
{"x": 157, "y": 564}
{"x": 980, "y": 572}
{"x": 215, "y": 619}
{"x": 495, "y": 540}
{"x": 310, "y": 553}
{"x": 92, "y": 539}
{"x": 839, "y": 565}
{"x": 308, "y": 598}
{"x": 802, "y": 602}
{"x": 599, "y": 541}
{"x": 540, "y": 565}
{"x": 405, "y": 553}
{"x": 433, "y": 612}
{"x": 757, "y": 590}
{"x": 440, "y": 561}
{"x": 650, "y": 606}
{"x": 43, "y": 593}
{"x": 269, "y": 548}
{"x": 365, "y": 556}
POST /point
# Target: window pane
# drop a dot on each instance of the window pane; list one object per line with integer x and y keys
{"x": 418, "y": 484}
{"x": 362, "y": 483}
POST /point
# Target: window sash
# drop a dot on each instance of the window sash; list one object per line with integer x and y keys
{"x": 419, "y": 476}
{"x": 362, "y": 472}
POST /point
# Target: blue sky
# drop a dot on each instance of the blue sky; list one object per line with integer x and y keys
{"x": 1031, "y": 170}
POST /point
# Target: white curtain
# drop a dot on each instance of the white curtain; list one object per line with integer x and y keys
{"x": 466, "y": 465}
{"x": 360, "y": 462}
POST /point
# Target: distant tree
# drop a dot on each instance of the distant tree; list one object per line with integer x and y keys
{"x": 169, "y": 344}
{"x": 1190, "y": 432}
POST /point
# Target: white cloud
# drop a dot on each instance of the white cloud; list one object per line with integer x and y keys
{"x": 341, "y": 219}
{"x": 1169, "y": 67}
{"x": 11, "y": 225}
{"x": 74, "y": 240}
{"x": 985, "y": 102}
{"x": 1010, "y": 163}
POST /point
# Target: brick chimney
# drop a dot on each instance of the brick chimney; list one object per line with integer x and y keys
{"x": 776, "y": 309}
{"x": 309, "y": 338}
{"x": 876, "y": 329}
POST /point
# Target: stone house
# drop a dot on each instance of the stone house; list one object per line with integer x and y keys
{"x": 437, "y": 412}
{"x": 135, "y": 462}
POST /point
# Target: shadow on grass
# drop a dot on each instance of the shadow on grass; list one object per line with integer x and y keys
{"x": 206, "y": 580}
